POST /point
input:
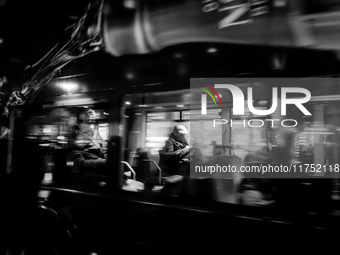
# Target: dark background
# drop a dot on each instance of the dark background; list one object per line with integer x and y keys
{"x": 28, "y": 30}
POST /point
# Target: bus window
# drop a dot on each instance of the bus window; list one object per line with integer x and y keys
{"x": 244, "y": 142}
{"x": 149, "y": 120}
{"x": 250, "y": 132}
{"x": 148, "y": 163}
{"x": 308, "y": 143}
{"x": 60, "y": 144}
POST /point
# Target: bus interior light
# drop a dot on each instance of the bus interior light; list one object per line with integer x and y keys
{"x": 211, "y": 50}
{"x": 68, "y": 86}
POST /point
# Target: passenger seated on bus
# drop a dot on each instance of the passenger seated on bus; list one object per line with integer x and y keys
{"x": 88, "y": 150}
{"x": 177, "y": 153}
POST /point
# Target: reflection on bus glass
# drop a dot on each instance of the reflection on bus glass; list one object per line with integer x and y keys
{"x": 303, "y": 142}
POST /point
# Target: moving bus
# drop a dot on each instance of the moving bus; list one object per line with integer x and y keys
{"x": 58, "y": 198}
{"x": 50, "y": 205}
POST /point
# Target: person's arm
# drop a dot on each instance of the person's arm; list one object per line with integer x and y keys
{"x": 95, "y": 165}
{"x": 170, "y": 151}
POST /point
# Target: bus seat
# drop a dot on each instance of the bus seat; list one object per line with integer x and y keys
{"x": 130, "y": 171}
{"x": 163, "y": 162}
{"x": 149, "y": 170}
{"x": 222, "y": 150}
{"x": 168, "y": 166}
{"x": 154, "y": 179}
{"x": 130, "y": 183}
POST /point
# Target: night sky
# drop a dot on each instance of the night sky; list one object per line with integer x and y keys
{"x": 30, "y": 28}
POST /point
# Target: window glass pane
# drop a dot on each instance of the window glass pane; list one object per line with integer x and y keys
{"x": 196, "y": 114}
{"x": 242, "y": 140}
{"x": 249, "y": 132}
{"x": 156, "y": 134}
{"x": 284, "y": 136}
{"x": 150, "y": 160}
{"x": 163, "y": 116}
{"x": 63, "y": 144}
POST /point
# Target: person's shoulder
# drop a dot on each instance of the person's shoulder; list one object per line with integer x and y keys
{"x": 170, "y": 140}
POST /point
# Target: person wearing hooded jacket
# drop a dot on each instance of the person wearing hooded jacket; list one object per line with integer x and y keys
{"x": 177, "y": 151}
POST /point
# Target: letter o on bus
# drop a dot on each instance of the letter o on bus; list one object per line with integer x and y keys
{"x": 249, "y": 121}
